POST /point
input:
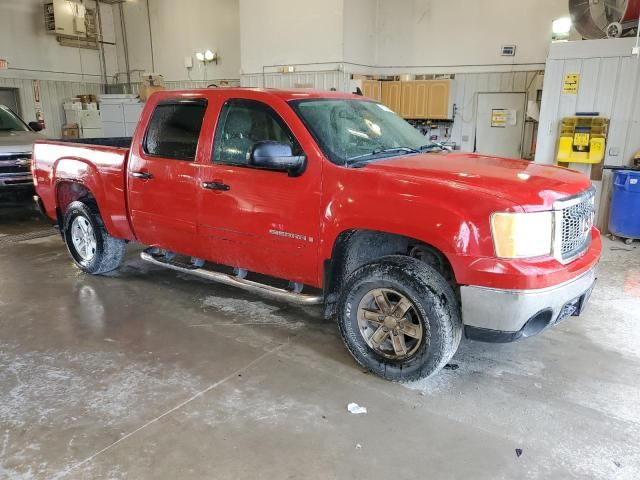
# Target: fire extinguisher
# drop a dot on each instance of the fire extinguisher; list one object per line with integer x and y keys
{"x": 40, "y": 119}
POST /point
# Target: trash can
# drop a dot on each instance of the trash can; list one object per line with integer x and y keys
{"x": 624, "y": 216}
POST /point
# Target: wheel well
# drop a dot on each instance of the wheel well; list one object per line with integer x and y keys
{"x": 68, "y": 192}
{"x": 355, "y": 248}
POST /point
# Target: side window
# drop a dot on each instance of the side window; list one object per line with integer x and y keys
{"x": 242, "y": 124}
{"x": 174, "y": 129}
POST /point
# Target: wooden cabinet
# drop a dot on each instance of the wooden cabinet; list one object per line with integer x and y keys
{"x": 415, "y": 99}
{"x": 438, "y": 102}
{"x": 391, "y": 94}
{"x": 424, "y": 99}
{"x": 407, "y": 100}
{"x": 372, "y": 89}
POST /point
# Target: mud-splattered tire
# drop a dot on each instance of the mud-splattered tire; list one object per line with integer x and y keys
{"x": 431, "y": 328}
{"x": 88, "y": 242}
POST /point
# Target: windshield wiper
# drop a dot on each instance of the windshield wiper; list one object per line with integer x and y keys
{"x": 430, "y": 147}
{"x": 383, "y": 150}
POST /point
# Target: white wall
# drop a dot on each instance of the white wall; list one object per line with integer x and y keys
{"x": 443, "y": 33}
{"x": 33, "y": 53}
{"x": 286, "y": 32}
{"x": 392, "y": 37}
{"x": 360, "y": 31}
{"x": 179, "y": 29}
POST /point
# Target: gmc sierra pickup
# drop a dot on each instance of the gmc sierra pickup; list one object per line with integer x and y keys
{"x": 322, "y": 197}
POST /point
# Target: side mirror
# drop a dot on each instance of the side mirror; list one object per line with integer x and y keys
{"x": 276, "y": 156}
{"x": 35, "y": 126}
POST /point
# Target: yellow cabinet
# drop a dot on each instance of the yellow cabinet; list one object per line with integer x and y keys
{"x": 438, "y": 102}
{"x": 425, "y": 99}
{"x": 372, "y": 89}
{"x": 408, "y": 100}
{"x": 391, "y": 94}
{"x": 422, "y": 96}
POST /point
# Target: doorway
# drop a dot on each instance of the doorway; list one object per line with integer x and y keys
{"x": 500, "y": 124}
{"x": 9, "y": 98}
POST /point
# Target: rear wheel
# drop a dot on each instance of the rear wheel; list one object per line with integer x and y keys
{"x": 400, "y": 319}
{"x": 89, "y": 244}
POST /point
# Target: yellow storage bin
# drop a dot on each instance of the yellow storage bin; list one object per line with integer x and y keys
{"x": 582, "y": 139}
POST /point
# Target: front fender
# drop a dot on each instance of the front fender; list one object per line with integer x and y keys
{"x": 455, "y": 222}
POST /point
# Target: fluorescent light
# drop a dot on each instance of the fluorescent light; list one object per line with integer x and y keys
{"x": 209, "y": 55}
{"x": 561, "y": 26}
{"x": 200, "y": 56}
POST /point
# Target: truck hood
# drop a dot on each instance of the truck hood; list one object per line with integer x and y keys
{"x": 532, "y": 186}
{"x": 18, "y": 142}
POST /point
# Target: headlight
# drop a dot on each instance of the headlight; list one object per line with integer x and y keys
{"x": 521, "y": 235}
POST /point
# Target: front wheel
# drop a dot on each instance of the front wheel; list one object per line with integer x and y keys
{"x": 400, "y": 318}
{"x": 89, "y": 244}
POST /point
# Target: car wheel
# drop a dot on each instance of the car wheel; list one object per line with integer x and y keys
{"x": 90, "y": 245}
{"x": 399, "y": 318}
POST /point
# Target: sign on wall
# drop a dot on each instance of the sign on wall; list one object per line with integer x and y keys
{"x": 571, "y": 83}
{"x": 498, "y": 118}
{"x": 4, "y": 64}
{"x": 501, "y": 117}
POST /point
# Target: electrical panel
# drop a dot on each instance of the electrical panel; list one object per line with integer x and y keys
{"x": 72, "y": 23}
{"x": 65, "y": 17}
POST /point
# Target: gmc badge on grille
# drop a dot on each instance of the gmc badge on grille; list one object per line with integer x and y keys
{"x": 587, "y": 222}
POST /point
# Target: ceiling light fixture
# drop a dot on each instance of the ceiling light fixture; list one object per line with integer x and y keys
{"x": 207, "y": 56}
{"x": 561, "y": 28}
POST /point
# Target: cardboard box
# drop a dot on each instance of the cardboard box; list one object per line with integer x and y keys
{"x": 145, "y": 91}
{"x": 70, "y": 130}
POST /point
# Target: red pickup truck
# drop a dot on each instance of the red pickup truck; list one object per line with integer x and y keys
{"x": 323, "y": 197}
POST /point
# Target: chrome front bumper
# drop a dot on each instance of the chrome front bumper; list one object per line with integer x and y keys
{"x": 506, "y": 315}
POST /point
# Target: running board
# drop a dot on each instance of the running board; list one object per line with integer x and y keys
{"x": 261, "y": 288}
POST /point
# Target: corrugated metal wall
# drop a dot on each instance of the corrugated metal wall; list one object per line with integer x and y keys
{"x": 323, "y": 80}
{"x": 52, "y": 96}
{"x": 54, "y": 93}
{"x": 177, "y": 85}
{"x": 466, "y": 89}
{"x": 609, "y": 84}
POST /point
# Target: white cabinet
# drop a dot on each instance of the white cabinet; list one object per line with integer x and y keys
{"x": 120, "y": 119}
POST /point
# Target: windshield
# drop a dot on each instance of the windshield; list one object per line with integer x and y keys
{"x": 9, "y": 121}
{"x": 350, "y": 131}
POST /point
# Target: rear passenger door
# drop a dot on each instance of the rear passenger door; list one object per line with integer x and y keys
{"x": 260, "y": 220}
{"x": 162, "y": 176}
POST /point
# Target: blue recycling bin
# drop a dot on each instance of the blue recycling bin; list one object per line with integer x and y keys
{"x": 624, "y": 216}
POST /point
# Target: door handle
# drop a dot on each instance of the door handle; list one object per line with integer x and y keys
{"x": 216, "y": 185}
{"x": 142, "y": 175}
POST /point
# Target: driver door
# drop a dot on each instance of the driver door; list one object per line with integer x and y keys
{"x": 260, "y": 220}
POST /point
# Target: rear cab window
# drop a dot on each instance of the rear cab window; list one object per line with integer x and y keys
{"x": 174, "y": 129}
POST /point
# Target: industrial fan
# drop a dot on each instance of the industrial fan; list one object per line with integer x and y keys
{"x": 605, "y": 18}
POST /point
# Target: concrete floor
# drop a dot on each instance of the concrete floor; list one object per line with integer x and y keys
{"x": 149, "y": 374}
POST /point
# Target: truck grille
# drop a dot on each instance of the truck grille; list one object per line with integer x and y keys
{"x": 576, "y": 217}
{"x": 15, "y": 163}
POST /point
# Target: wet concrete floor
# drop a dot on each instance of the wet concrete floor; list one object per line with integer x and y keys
{"x": 150, "y": 374}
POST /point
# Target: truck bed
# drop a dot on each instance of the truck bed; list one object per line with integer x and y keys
{"x": 119, "y": 142}
{"x": 97, "y": 164}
